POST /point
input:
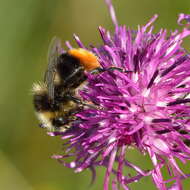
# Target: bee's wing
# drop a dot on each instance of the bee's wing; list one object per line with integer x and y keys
{"x": 53, "y": 53}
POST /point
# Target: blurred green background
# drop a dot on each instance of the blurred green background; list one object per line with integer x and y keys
{"x": 26, "y": 28}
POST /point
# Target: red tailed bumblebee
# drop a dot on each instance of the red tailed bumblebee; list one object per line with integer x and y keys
{"x": 55, "y": 99}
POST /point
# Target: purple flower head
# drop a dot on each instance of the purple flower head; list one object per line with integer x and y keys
{"x": 142, "y": 100}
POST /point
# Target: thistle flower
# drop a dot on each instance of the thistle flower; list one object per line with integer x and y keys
{"x": 142, "y": 101}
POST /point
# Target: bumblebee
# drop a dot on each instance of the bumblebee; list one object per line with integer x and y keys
{"x": 55, "y": 99}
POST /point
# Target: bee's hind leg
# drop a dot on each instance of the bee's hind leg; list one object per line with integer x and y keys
{"x": 80, "y": 103}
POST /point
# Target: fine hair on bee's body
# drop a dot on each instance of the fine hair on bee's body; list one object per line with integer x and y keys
{"x": 55, "y": 99}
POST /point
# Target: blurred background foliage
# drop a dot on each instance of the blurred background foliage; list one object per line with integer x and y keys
{"x": 26, "y": 29}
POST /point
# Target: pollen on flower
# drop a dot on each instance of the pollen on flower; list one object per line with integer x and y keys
{"x": 146, "y": 92}
{"x": 133, "y": 108}
{"x": 123, "y": 116}
{"x": 102, "y": 123}
{"x": 111, "y": 140}
{"x": 148, "y": 119}
{"x": 157, "y": 79}
{"x": 135, "y": 77}
{"x": 161, "y": 104}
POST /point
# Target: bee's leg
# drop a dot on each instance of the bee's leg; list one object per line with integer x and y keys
{"x": 81, "y": 103}
{"x": 116, "y": 68}
{"x": 75, "y": 99}
{"x": 101, "y": 70}
{"x": 97, "y": 70}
